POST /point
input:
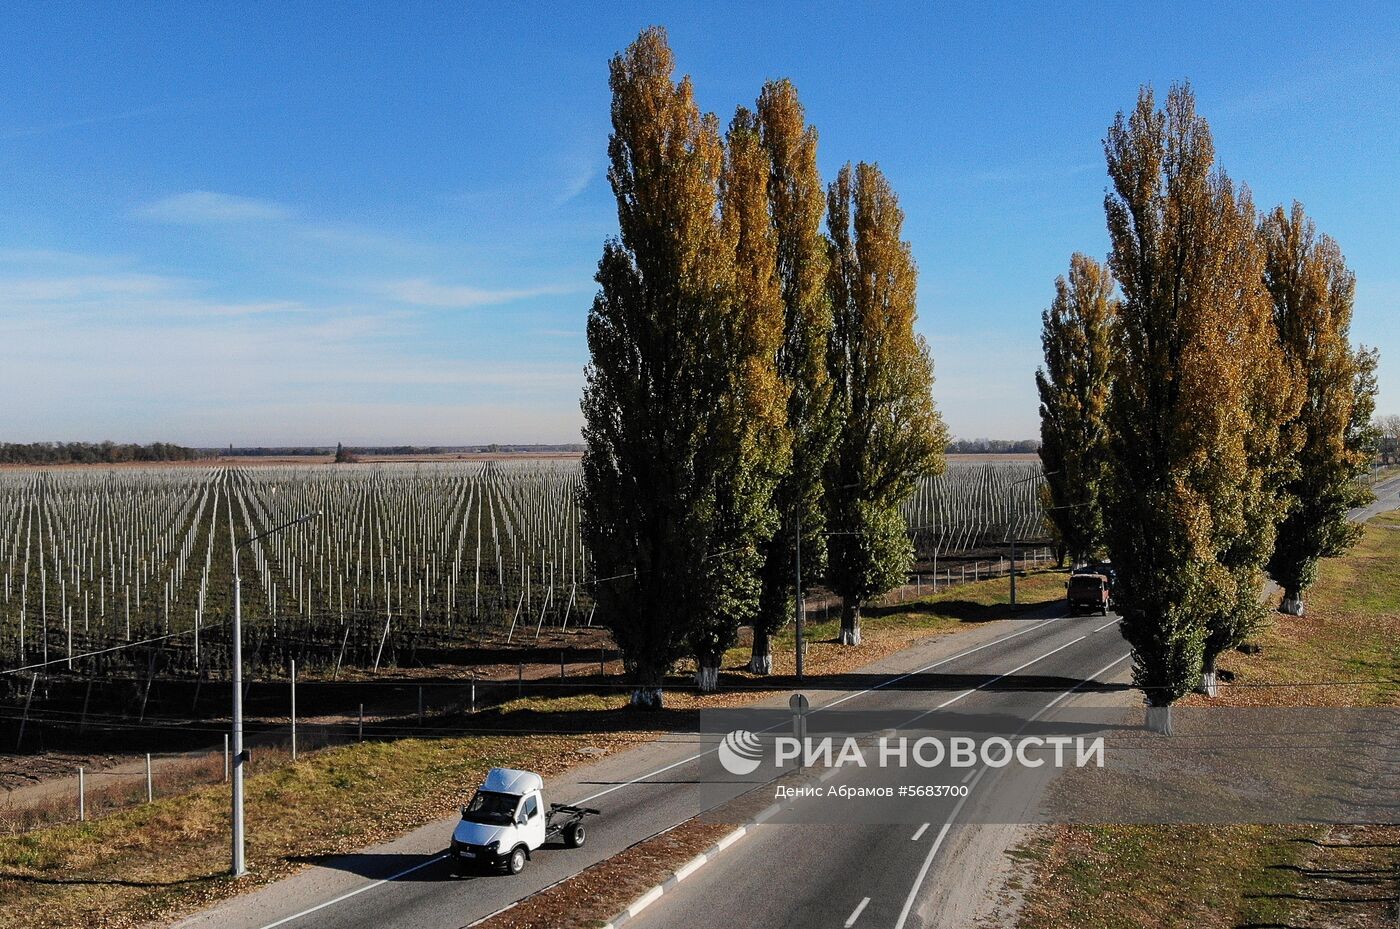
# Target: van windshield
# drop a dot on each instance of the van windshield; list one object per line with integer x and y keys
{"x": 491, "y": 808}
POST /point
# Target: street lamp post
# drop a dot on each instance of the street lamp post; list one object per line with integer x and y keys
{"x": 239, "y": 865}
{"x": 1038, "y": 477}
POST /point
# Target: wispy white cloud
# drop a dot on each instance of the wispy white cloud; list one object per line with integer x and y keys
{"x": 420, "y": 291}
{"x": 583, "y": 175}
{"x": 85, "y": 286}
{"x": 76, "y": 122}
{"x": 208, "y": 207}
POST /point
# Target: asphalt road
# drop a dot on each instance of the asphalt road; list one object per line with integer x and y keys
{"x": 407, "y": 883}
{"x": 808, "y": 876}
{"x": 1387, "y": 498}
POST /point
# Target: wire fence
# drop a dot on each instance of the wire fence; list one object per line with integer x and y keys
{"x": 54, "y": 714}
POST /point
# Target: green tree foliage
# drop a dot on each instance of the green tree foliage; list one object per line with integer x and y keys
{"x": 882, "y": 376}
{"x": 1186, "y": 373}
{"x": 1313, "y": 292}
{"x": 681, "y": 403}
{"x": 1074, "y": 388}
{"x": 796, "y": 203}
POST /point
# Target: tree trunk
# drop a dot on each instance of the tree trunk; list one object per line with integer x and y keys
{"x": 761, "y": 658}
{"x": 646, "y": 698}
{"x": 850, "y": 621}
{"x": 1208, "y": 685}
{"x": 1159, "y": 719}
{"x": 707, "y": 674}
{"x": 1292, "y": 604}
{"x": 646, "y": 688}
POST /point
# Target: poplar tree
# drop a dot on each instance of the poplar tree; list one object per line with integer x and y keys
{"x": 1180, "y": 410}
{"x": 1271, "y": 394}
{"x": 796, "y": 204}
{"x": 753, "y": 444}
{"x": 1312, "y": 292}
{"x": 882, "y": 376}
{"x": 1074, "y": 388}
{"x": 673, "y": 499}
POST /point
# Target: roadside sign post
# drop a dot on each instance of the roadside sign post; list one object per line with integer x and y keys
{"x": 798, "y": 704}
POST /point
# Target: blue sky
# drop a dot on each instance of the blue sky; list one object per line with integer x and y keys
{"x": 268, "y": 224}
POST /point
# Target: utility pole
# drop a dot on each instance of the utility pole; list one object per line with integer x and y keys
{"x": 238, "y": 866}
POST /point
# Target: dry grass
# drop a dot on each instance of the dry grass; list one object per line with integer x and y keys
{"x": 1344, "y": 653}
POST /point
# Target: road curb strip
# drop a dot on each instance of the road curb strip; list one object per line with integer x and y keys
{"x": 683, "y": 872}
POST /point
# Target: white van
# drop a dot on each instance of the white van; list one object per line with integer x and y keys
{"x": 507, "y": 820}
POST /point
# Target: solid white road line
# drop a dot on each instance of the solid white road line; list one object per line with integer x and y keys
{"x": 950, "y": 701}
{"x": 922, "y": 830}
{"x": 1106, "y": 625}
{"x": 943, "y": 832}
{"x": 357, "y": 891}
{"x": 860, "y": 908}
{"x": 643, "y": 777}
{"x": 941, "y": 661}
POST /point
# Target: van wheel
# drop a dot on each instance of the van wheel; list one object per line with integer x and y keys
{"x": 516, "y": 862}
{"x": 574, "y": 836}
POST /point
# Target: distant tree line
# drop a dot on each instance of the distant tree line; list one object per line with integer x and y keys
{"x": 1388, "y": 444}
{"x": 993, "y": 446}
{"x": 307, "y": 451}
{"x": 93, "y": 452}
{"x": 1205, "y": 416}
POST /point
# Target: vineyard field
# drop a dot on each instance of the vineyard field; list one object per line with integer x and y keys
{"x": 132, "y": 568}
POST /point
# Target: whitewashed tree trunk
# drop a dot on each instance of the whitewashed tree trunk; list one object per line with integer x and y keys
{"x": 707, "y": 678}
{"x": 646, "y": 698}
{"x": 761, "y": 658}
{"x": 850, "y": 622}
{"x": 1159, "y": 719}
{"x": 1292, "y": 606}
{"x": 1209, "y": 685}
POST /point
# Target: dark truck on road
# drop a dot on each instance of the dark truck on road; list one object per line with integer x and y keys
{"x": 1088, "y": 593}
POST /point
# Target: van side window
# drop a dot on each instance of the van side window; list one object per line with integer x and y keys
{"x": 532, "y": 806}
